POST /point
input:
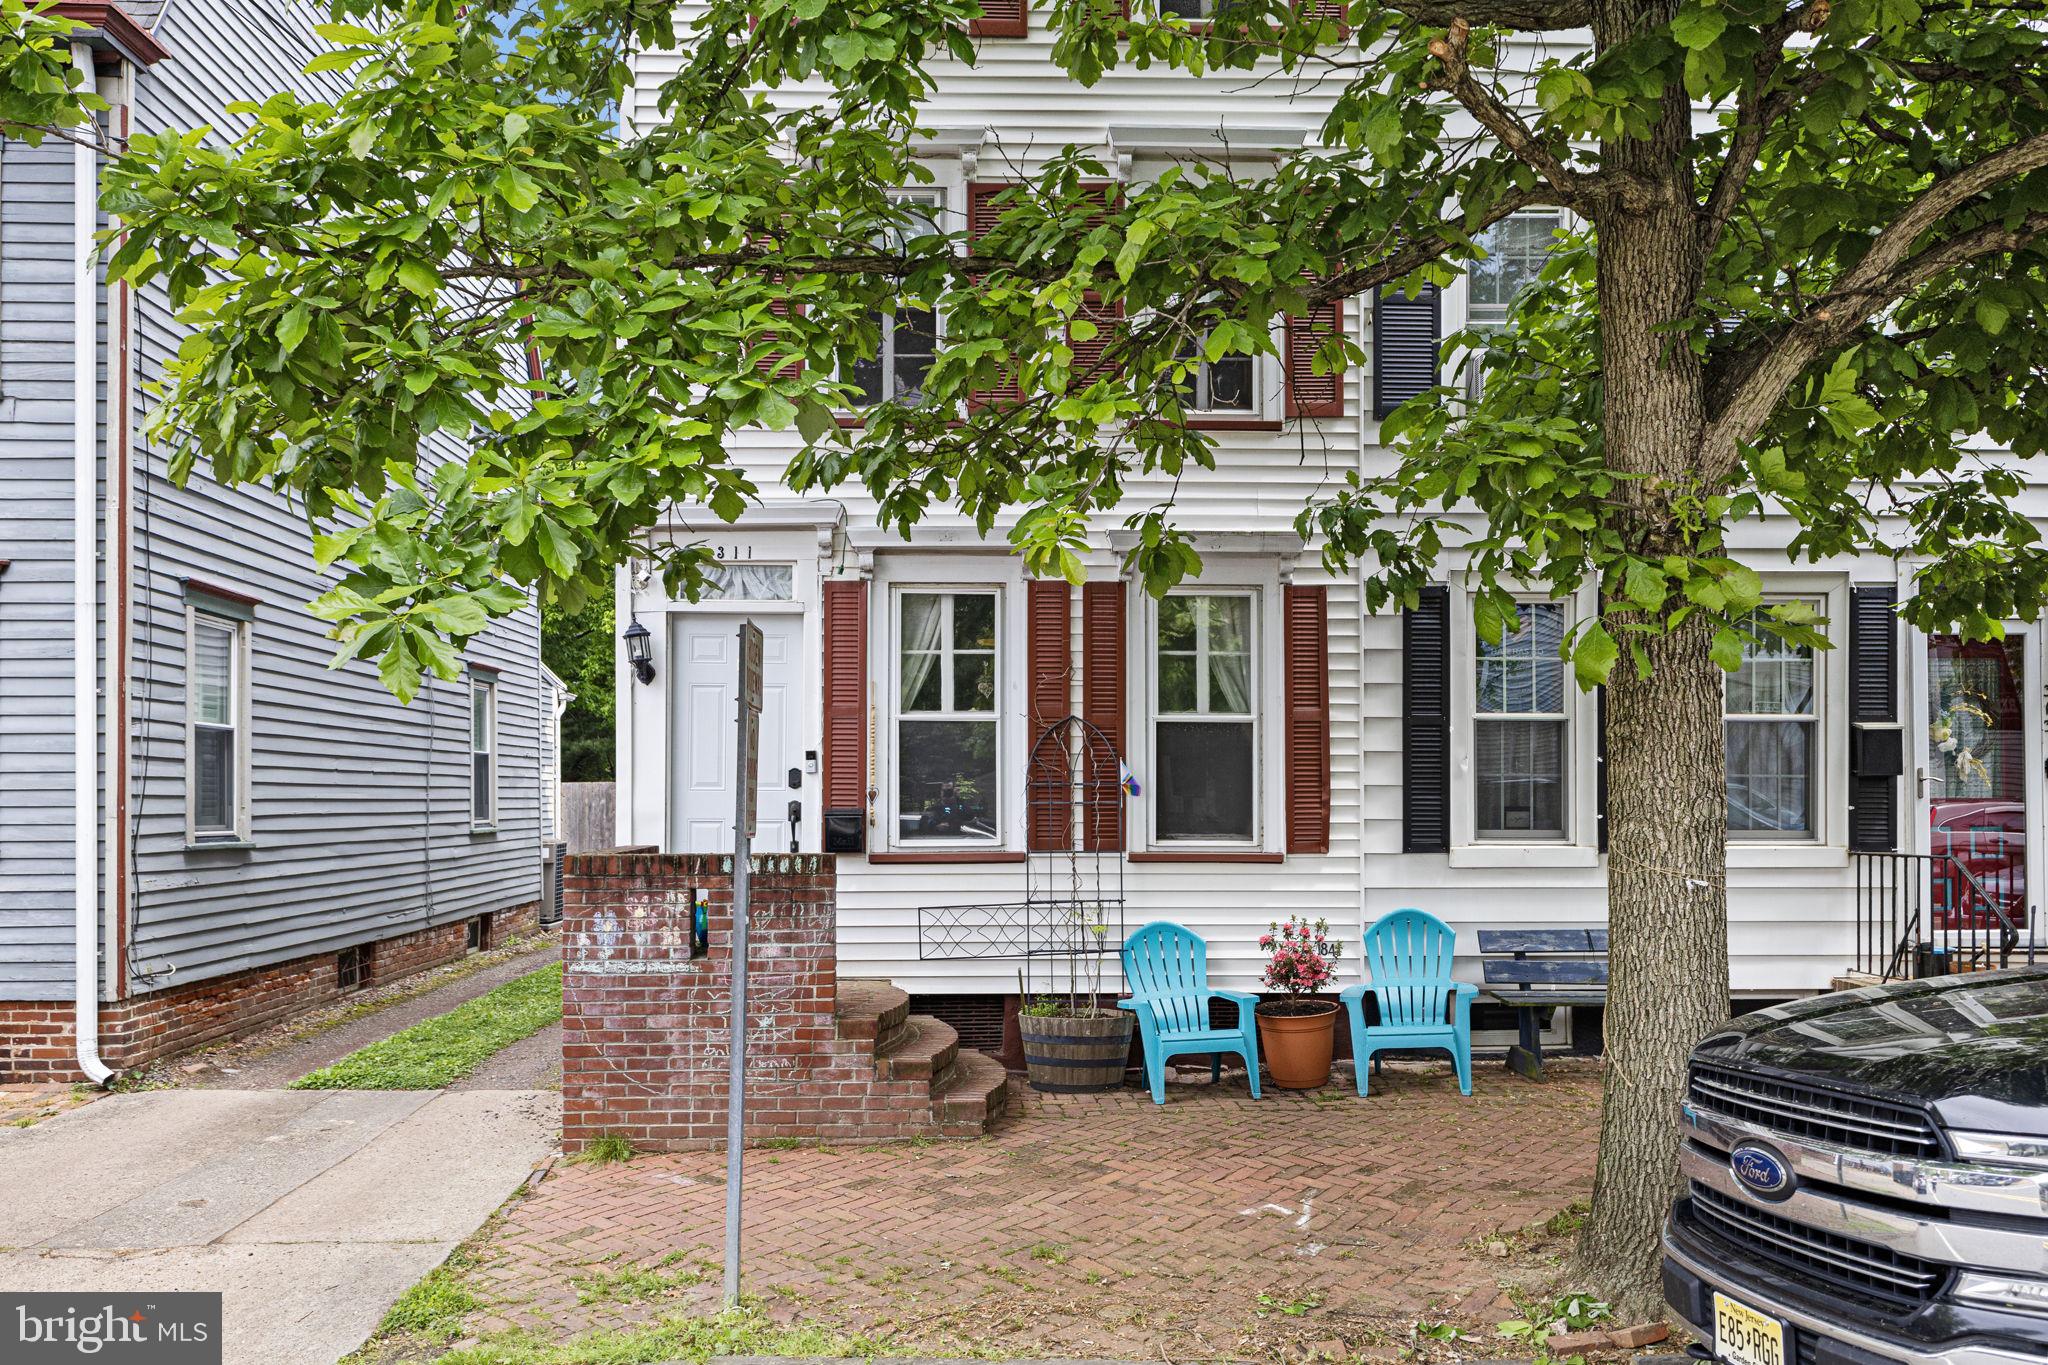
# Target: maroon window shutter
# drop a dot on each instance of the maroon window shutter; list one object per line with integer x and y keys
{"x": 1102, "y": 693}
{"x": 1333, "y": 11}
{"x": 1306, "y": 631}
{"x": 1049, "y": 665}
{"x": 1109, "y": 320}
{"x": 982, "y": 213}
{"x": 1310, "y": 394}
{"x": 846, "y": 695}
{"x": 1002, "y": 19}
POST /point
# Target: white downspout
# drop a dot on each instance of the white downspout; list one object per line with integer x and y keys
{"x": 85, "y": 594}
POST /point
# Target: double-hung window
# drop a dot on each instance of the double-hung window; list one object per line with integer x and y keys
{"x": 947, "y": 684}
{"x": 1772, "y": 721}
{"x": 909, "y": 336}
{"x": 1521, "y": 732}
{"x": 1516, "y": 248}
{"x": 1225, "y": 386}
{"x": 1205, "y": 718}
{"x": 216, "y": 734}
{"x": 483, "y": 751}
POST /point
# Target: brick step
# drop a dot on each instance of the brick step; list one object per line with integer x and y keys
{"x": 870, "y": 1010}
{"x": 922, "y": 1050}
{"x": 971, "y": 1095}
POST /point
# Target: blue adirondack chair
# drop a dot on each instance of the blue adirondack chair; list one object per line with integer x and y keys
{"x": 1168, "y": 970}
{"x": 1419, "y": 1005}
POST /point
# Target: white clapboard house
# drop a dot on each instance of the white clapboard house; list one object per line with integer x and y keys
{"x": 1292, "y": 754}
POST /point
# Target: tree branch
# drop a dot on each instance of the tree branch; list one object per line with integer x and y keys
{"x": 1495, "y": 116}
{"x": 1891, "y": 269}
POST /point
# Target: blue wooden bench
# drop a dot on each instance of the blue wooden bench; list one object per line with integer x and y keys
{"x": 1532, "y": 971}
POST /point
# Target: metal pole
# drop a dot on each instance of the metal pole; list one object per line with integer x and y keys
{"x": 736, "y": 1063}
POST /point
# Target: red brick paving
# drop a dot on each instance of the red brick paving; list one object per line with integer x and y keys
{"x": 1090, "y": 1225}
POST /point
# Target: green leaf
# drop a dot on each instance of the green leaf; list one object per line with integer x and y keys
{"x": 292, "y": 327}
{"x": 1593, "y": 655}
{"x": 1698, "y": 28}
{"x": 1991, "y": 314}
{"x": 420, "y": 278}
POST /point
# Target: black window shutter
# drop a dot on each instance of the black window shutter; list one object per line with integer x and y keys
{"x": 1876, "y": 745}
{"x": 1407, "y": 338}
{"x": 1426, "y": 723}
{"x": 1600, "y": 764}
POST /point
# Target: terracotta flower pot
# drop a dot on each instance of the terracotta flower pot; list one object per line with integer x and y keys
{"x": 1076, "y": 1053}
{"x": 1296, "y": 1046}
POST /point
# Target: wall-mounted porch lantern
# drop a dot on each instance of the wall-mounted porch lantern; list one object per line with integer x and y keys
{"x": 640, "y": 650}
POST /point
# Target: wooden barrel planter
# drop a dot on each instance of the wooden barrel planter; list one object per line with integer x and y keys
{"x": 1076, "y": 1053}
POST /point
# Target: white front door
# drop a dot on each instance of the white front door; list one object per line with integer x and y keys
{"x": 704, "y": 667}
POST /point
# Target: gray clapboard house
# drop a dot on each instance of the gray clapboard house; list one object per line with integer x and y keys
{"x": 233, "y": 831}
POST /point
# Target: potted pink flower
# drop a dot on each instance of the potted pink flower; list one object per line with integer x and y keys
{"x": 1297, "y": 1034}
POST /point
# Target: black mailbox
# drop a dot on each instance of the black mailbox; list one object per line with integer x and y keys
{"x": 845, "y": 831}
{"x": 1877, "y": 750}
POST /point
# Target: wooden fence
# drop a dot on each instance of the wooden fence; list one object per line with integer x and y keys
{"x": 590, "y": 815}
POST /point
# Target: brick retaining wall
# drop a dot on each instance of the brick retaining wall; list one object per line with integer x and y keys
{"x": 645, "y": 1028}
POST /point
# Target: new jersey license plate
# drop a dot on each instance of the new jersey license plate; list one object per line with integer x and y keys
{"x": 1743, "y": 1336}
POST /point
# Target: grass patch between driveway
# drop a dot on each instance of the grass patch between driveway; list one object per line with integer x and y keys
{"x": 437, "y": 1051}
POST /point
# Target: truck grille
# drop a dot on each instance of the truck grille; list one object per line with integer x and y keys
{"x": 1808, "y": 1253}
{"x": 1810, "y": 1112}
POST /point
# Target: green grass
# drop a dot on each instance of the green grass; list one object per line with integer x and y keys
{"x": 434, "y": 1308}
{"x": 743, "y": 1332}
{"x": 604, "y": 1150}
{"x": 437, "y": 1051}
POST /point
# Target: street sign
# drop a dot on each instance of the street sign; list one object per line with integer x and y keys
{"x": 749, "y": 723}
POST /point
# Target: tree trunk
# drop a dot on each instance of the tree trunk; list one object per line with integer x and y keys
{"x": 1666, "y": 802}
{"x": 1667, "y": 918}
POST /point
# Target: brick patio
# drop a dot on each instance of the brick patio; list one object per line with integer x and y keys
{"x": 1089, "y": 1225}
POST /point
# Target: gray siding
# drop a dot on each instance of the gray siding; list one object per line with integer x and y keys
{"x": 36, "y": 427}
{"x": 359, "y": 807}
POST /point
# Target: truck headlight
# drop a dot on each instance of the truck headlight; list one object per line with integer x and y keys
{"x": 2003, "y": 1291}
{"x": 2002, "y": 1149}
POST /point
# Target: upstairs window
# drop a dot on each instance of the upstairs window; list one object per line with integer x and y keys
{"x": 1771, "y": 719}
{"x": 1205, "y": 718}
{"x": 1522, "y": 730}
{"x": 909, "y": 336}
{"x": 947, "y": 683}
{"x": 1516, "y": 248}
{"x": 1224, "y": 386}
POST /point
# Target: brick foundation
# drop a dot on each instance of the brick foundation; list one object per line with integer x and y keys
{"x": 37, "y": 1042}
{"x": 645, "y": 1027}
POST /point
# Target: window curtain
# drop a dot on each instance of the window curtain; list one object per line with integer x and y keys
{"x": 923, "y": 625}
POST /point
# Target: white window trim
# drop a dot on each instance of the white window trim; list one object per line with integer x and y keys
{"x": 488, "y": 682}
{"x": 1262, "y": 579}
{"x": 1580, "y": 845}
{"x": 1829, "y": 595}
{"x": 238, "y": 684}
{"x": 895, "y": 575}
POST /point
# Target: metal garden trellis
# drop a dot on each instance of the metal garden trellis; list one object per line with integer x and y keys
{"x": 1073, "y": 905}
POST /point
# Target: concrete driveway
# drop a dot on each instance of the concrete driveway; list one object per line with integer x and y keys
{"x": 311, "y": 1211}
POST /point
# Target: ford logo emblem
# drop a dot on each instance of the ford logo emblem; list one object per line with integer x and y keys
{"x": 1762, "y": 1171}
